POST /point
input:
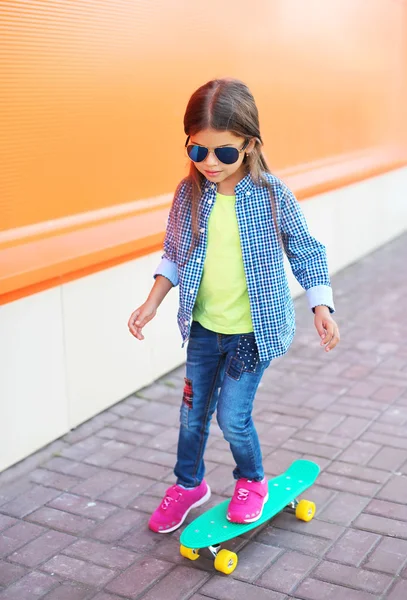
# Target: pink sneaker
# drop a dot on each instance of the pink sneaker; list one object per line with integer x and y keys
{"x": 248, "y": 501}
{"x": 175, "y": 506}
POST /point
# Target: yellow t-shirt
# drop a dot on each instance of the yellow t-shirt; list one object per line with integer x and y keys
{"x": 222, "y": 303}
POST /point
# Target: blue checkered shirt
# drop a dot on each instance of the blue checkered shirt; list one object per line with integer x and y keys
{"x": 271, "y": 305}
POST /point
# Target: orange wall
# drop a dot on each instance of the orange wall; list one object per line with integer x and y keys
{"x": 95, "y": 91}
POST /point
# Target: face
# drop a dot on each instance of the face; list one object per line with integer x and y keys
{"x": 212, "y": 168}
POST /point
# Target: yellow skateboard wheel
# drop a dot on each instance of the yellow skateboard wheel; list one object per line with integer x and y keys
{"x": 226, "y": 561}
{"x": 190, "y": 553}
{"x": 305, "y": 510}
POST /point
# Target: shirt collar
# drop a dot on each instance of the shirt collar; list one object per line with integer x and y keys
{"x": 243, "y": 186}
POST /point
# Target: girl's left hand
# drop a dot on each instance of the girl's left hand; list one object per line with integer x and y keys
{"x": 326, "y": 327}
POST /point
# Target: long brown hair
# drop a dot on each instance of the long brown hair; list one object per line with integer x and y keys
{"x": 225, "y": 105}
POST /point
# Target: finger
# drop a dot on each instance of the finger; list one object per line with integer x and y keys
{"x": 334, "y": 341}
{"x": 133, "y": 318}
{"x": 329, "y": 333}
{"x": 320, "y": 328}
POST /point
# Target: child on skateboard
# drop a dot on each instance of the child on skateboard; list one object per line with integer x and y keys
{"x": 229, "y": 223}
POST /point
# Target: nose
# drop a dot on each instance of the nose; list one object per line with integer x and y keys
{"x": 211, "y": 159}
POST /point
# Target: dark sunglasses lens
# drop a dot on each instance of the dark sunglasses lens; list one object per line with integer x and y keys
{"x": 197, "y": 153}
{"x": 227, "y": 156}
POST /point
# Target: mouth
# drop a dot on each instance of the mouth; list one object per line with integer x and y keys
{"x": 212, "y": 173}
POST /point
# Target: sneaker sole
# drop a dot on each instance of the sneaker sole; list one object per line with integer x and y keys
{"x": 255, "y": 518}
{"x": 199, "y": 503}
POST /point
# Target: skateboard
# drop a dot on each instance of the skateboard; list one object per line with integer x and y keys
{"x": 212, "y": 528}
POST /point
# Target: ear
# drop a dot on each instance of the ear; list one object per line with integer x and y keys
{"x": 250, "y": 145}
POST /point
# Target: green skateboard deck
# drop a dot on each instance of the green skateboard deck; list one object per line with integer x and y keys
{"x": 212, "y": 528}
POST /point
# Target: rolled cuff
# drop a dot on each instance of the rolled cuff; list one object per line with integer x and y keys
{"x": 320, "y": 295}
{"x": 168, "y": 269}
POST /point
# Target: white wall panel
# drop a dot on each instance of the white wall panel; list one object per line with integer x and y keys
{"x": 33, "y": 398}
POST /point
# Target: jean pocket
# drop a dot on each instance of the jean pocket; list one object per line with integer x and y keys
{"x": 235, "y": 368}
{"x": 247, "y": 352}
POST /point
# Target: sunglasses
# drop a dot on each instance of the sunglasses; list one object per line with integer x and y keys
{"x": 226, "y": 155}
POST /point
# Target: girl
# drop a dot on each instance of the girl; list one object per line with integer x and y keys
{"x": 229, "y": 223}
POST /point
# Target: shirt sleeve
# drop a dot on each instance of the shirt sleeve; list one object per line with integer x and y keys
{"x": 306, "y": 255}
{"x": 168, "y": 265}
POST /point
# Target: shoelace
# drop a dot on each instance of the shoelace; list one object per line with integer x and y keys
{"x": 168, "y": 499}
{"x": 242, "y": 494}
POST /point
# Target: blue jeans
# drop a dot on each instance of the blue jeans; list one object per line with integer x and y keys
{"x": 223, "y": 372}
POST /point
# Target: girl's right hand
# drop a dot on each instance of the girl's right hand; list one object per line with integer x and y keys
{"x": 140, "y": 317}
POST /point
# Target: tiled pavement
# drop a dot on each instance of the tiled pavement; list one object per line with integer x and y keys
{"x": 73, "y": 517}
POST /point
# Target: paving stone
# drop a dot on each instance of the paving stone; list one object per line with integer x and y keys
{"x": 82, "y": 449}
{"x": 117, "y": 526}
{"x": 381, "y": 525}
{"x": 325, "y": 422}
{"x": 287, "y": 571}
{"x": 84, "y": 507}
{"x": 312, "y": 589}
{"x": 390, "y": 510}
{"x": 29, "y": 502}
{"x": 399, "y": 591}
{"x": 51, "y": 479}
{"x": 139, "y": 577}
{"x": 388, "y": 393}
{"x": 9, "y": 573}
{"x": 18, "y": 535}
{"x": 149, "y": 429}
{"x": 394, "y": 490}
{"x": 106, "y": 596}
{"x": 352, "y": 426}
{"x": 137, "y": 467}
{"x": 338, "y": 482}
{"x": 127, "y": 490}
{"x": 385, "y": 440}
{"x": 367, "y": 581}
{"x": 93, "y": 425}
{"x": 111, "y": 451}
{"x": 311, "y": 448}
{"x": 322, "y": 438}
{"x": 343, "y": 508}
{"x": 389, "y": 459}
{"x": 155, "y": 456}
{"x": 253, "y": 559}
{"x": 177, "y": 585}
{"x": 71, "y": 467}
{"x": 279, "y": 460}
{"x": 78, "y": 570}
{"x": 122, "y": 435}
{"x": 357, "y": 472}
{"x": 41, "y": 549}
{"x": 32, "y": 586}
{"x": 221, "y": 588}
{"x": 364, "y": 389}
{"x": 291, "y": 540}
{"x": 104, "y": 555}
{"x": 353, "y": 547}
{"x": 142, "y": 540}
{"x": 61, "y": 521}
{"x": 360, "y": 453}
{"x": 96, "y": 485}
{"x": 6, "y": 522}
{"x": 389, "y": 556}
{"x": 320, "y": 401}
{"x": 70, "y": 591}
{"x": 13, "y": 489}
{"x": 316, "y": 527}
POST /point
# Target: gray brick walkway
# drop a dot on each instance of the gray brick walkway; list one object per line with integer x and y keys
{"x": 73, "y": 517}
